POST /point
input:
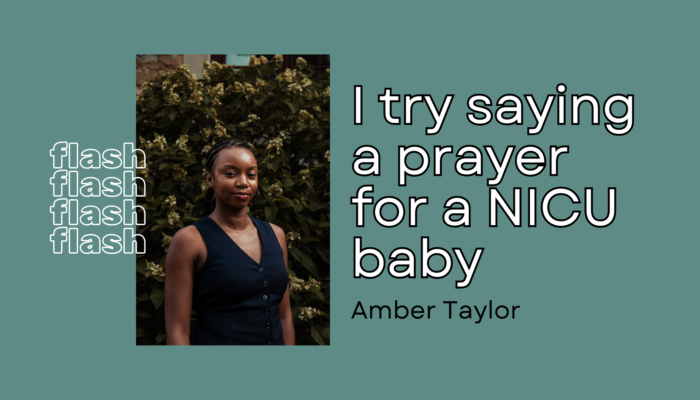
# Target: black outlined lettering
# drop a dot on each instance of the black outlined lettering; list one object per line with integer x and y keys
{"x": 409, "y": 263}
{"x": 471, "y": 103}
{"x": 358, "y": 105}
{"x": 476, "y": 160}
{"x": 516, "y": 110}
{"x": 499, "y": 166}
{"x": 409, "y": 101}
{"x": 464, "y": 213}
{"x": 438, "y": 115}
{"x": 414, "y": 203}
{"x": 560, "y": 223}
{"x": 561, "y": 106}
{"x": 532, "y": 207}
{"x": 359, "y": 253}
{"x": 540, "y": 115}
{"x": 576, "y": 102}
{"x": 495, "y": 199}
{"x": 387, "y": 99}
{"x": 469, "y": 269}
{"x": 521, "y": 160}
{"x": 439, "y": 151}
{"x": 554, "y": 152}
{"x": 400, "y": 213}
{"x": 404, "y": 170}
{"x": 427, "y": 253}
{"x": 373, "y": 170}
{"x": 627, "y": 119}
{"x": 360, "y": 201}
{"x": 612, "y": 206}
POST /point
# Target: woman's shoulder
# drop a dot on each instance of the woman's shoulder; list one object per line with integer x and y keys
{"x": 186, "y": 247}
{"x": 188, "y": 236}
{"x": 188, "y": 232}
{"x": 279, "y": 232}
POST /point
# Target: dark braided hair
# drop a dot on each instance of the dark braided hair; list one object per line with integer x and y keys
{"x": 224, "y": 144}
{"x": 214, "y": 153}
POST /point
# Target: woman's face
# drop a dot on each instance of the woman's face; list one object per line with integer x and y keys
{"x": 234, "y": 177}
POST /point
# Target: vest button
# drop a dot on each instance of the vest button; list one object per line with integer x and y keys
{"x": 269, "y": 341}
{"x": 267, "y": 311}
{"x": 268, "y": 325}
{"x": 260, "y": 270}
{"x": 264, "y": 297}
{"x": 264, "y": 283}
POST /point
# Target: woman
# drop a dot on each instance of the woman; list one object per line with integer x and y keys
{"x": 228, "y": 267}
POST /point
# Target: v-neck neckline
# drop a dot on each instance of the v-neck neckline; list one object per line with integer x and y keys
{"x": 262, "y": 242}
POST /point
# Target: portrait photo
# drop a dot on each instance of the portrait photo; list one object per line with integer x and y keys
{"x": 237, "y": 199}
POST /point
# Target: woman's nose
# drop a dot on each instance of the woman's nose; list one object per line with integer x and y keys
{"x": 242, "y": 181}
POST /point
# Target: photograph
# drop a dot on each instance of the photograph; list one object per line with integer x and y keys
{"x": 237, "y": 200}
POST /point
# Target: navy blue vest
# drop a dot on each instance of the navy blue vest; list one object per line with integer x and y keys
{"x": 236, "y": 299}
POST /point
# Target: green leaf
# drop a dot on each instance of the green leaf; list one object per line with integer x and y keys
{"x": 298, "y": 255}
{"x": 317, "y": 336}
{"x": 160, "y": 338}
{"x": 304, "y": 227}
{"x": 140, "y": 267}
{"x": 316, "y": 207}
{"x": 308, "y": 240}
{"x": 157, "y": 296}
{"x": 163, "y": 123}
{"x": 154, "y": 102}
{"x": 292, "y": 106}
{"x": 317, "y": 293}
{"x": 325, "y": 332}
{"x": 308, "y": 263}
{"x": 142, "y": 297}
{"x": 269, "y": 214}
{"x": 186, "y": 127}
{"x": 156, "y": 227}
{"x": 167, "y": 186}
{"x": 143, "y": 314}
{"x": 324, "y": 253}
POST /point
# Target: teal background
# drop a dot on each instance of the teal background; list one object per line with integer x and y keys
{"x": 607, "y": 313}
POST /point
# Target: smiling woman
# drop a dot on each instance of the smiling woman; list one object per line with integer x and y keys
{"x": 230, "y": 268}
{"x": 227, "y": 151}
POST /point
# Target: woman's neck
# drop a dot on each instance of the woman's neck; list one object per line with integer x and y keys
{"x": 233, "y": 219}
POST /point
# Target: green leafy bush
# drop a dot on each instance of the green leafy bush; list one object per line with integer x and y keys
{"x": 285, "y": 115}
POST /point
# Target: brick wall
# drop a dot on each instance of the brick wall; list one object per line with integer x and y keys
{"x": 149, "y": 66}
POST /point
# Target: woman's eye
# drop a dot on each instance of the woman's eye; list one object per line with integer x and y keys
{"x": 251, "y": 176}
{"x": 229, "y": 174}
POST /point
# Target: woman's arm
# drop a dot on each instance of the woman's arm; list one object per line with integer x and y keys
{"x": 183, "y": 254}
{"x": 285, "y": 307}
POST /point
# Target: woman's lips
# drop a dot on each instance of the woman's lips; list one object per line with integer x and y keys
{"x": 241, "y": 196}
